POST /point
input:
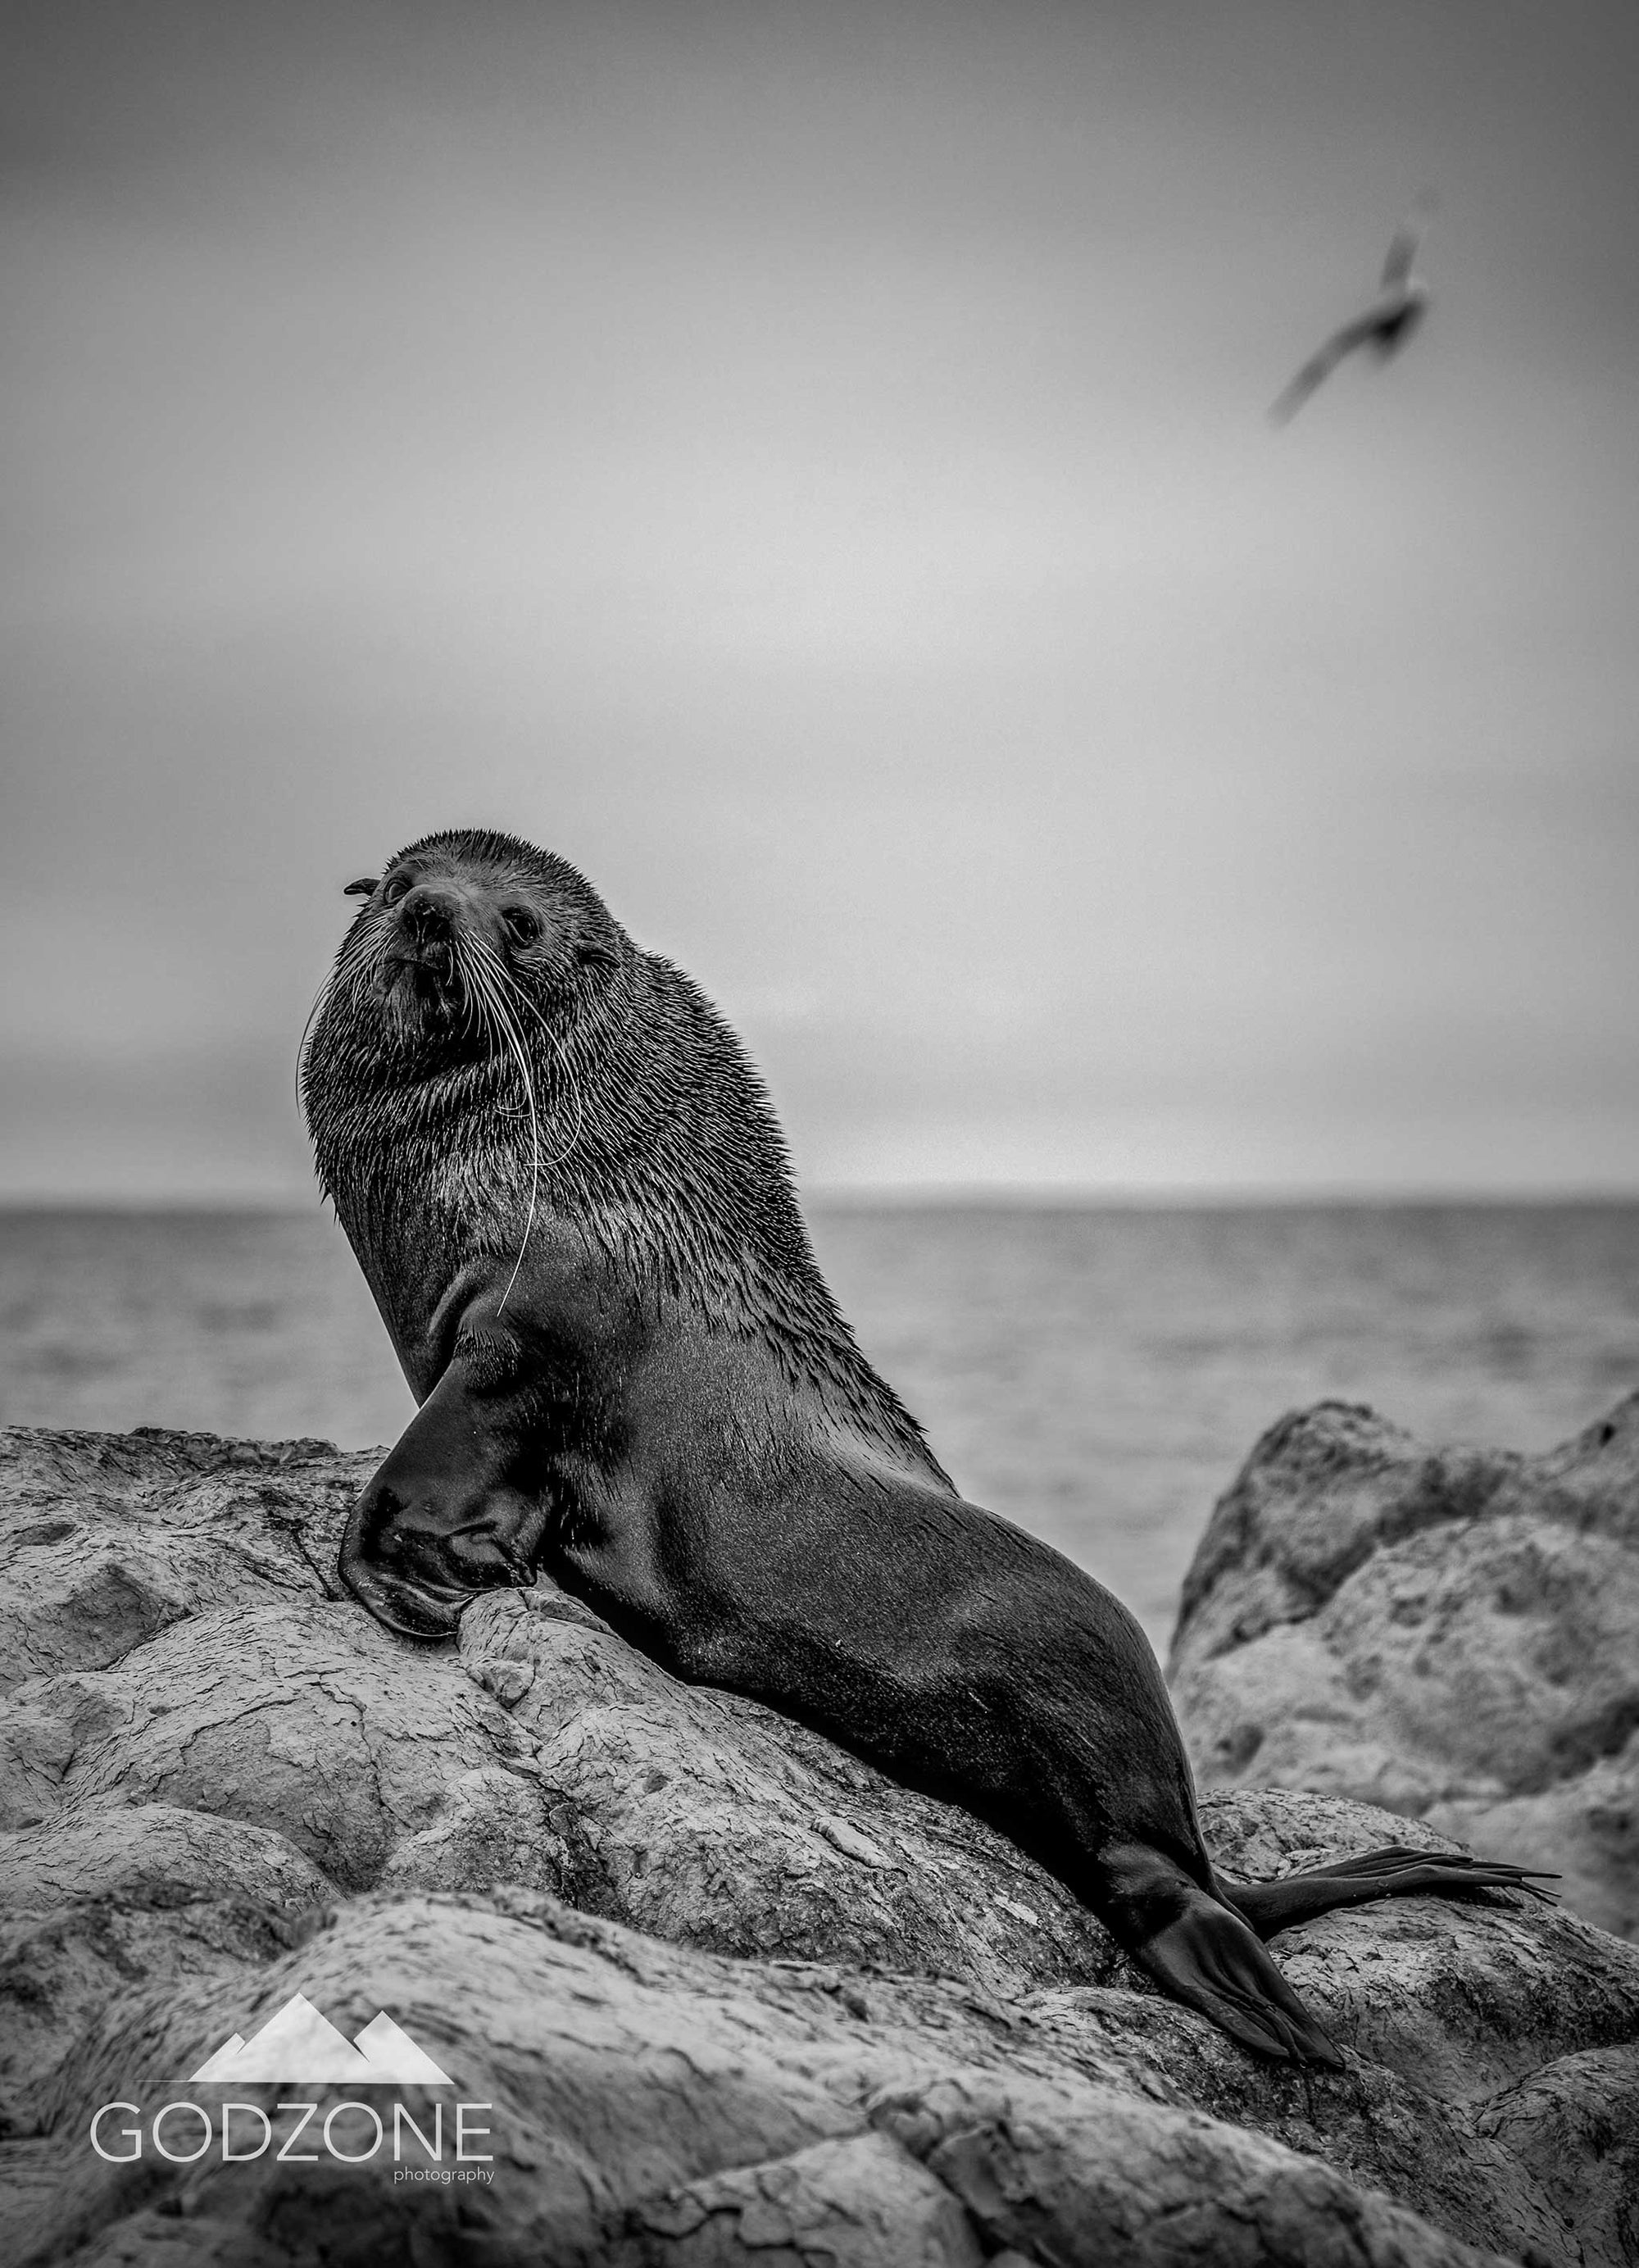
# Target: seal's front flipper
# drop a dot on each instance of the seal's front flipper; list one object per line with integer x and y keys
{"x": 1208, "y": 1958}
{"x": 1396, "y": 1871}
{"x": 444, "y": 1517}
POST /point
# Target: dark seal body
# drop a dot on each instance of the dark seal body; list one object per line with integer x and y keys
{"x": 569, "y": 1196}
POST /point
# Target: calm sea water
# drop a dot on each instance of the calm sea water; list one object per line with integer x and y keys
{"x": 1097, "y": 1376}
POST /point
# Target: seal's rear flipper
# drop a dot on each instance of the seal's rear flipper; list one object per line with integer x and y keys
{"x": 1209, "y": 1959}
{"x": 1396, "y": 1871}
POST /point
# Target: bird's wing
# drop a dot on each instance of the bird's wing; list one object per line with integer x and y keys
{"x": 1320, "y": 366}
{"x": 1402, "y": 252}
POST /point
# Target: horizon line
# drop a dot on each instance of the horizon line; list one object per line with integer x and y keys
{"x": 968, "y": 1197}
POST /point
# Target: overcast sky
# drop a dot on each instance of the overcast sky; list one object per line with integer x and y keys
{"x": 809, "y": 465}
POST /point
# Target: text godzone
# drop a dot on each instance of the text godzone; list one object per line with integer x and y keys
{"x": 177, "y": 2112}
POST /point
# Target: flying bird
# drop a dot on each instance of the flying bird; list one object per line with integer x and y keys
{"x": 1384, "y": 327}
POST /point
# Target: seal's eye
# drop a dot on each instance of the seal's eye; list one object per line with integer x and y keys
{"x": 395, "y": 889}
{"x": 520, "y": 924}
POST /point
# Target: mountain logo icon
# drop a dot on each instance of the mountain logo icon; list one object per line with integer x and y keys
{"x": 299, "y": 2046}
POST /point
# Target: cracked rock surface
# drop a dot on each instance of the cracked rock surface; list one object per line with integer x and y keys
{"x": 724, "y": 1993}
{"x": 1451, "y": 1633}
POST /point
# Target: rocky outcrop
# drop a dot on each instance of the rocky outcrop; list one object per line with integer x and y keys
{"x": 1451, "y": 1633}
{"x": 705, "y": 1988}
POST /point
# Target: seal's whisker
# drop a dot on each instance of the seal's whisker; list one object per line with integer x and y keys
{"x": 346, "y": 965}
{"x": 571, "y": 1084}
{"x": 347, "y": 980}
{"x": 516, "y": 994}
{"x": 489, "y": 971}
{"x": 477, "y": 1017}
{"x": 484, "y": 968}
{"x": 472, "y": 1018}
{"x": 500, "y": 1023}
{"x": 320, "y": 997}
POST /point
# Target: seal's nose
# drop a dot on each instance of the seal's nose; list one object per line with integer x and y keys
{"x": 429, "y": 915}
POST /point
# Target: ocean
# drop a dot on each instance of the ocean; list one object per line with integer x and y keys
{"x": 1096, "y": 1374}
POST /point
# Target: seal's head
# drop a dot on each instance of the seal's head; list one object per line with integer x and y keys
{"x": 451, "y": 933}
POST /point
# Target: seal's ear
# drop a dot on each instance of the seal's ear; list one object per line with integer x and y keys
{"x": 597, "y": 952}
{"x": 364, "y": 889}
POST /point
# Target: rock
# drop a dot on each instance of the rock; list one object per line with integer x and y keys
{"x": 706, "y": 1988}
{"x": 1452, "y": 1634}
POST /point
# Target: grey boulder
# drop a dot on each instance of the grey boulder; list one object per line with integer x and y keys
{"x": 705, "y": 1988}
{"x": 1450, "y": 1633}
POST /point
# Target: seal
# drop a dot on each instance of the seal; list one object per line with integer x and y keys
{"x": 571, "y": 1200}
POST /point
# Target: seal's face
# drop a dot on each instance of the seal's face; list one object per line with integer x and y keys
{"x": 451, "y": 934}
